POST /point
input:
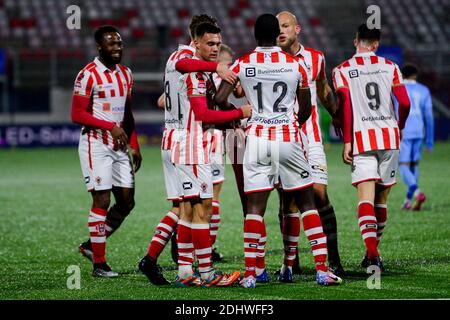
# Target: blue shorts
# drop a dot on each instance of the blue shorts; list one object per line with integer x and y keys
{"x": 410, "y": 150}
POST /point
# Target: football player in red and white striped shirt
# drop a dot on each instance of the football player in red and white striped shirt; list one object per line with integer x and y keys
{"x": 190, "y": 154}
{"x": 180, "y": 60}
{"x": 365, "y": 84}
{"x": 101, "y": 103}
{"x": 273, "y": 80}
{"x": 320, "y": 90}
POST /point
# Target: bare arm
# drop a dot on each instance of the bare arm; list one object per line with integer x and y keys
{"x": 221, "y": 97}
{"x": 304, "y": 103}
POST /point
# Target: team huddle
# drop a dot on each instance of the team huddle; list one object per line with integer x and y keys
{"x": 262, "y": 112}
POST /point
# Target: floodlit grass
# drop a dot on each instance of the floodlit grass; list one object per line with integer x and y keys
{"x": 44, "y": 210}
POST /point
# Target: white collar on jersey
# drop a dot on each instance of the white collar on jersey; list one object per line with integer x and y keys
{"x": 101, "y": 66}
{"x": 185, "y": 47}
{"x": 364, "y": 54}
{"x": 268, "y": 49}
{"x": 409, "y": 81}
{"x": 300, "y": 51}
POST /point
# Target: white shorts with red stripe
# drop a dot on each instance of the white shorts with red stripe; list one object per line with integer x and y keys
{"x": 102, "y": 167}
{"x": 171, "y": 179}
{"x": 196, "y": 180}
{"x": 318, "y": 162}
{"x": 266, "y": 162}
{"x": 378, "y": 165}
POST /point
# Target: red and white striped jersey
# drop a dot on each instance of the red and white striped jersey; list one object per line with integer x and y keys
{"x": 315, "y": 62}
{"x": 270, "y": 78}
{"x": 108, "y": 91}
{"x": 370, "y": 80}
{"x": 192, "y": 144}
{"x": 171, "y": 91}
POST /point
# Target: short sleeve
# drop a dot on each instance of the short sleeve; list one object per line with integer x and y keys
{"x": 304, "y": 74}
{"x": 339, "y": 80}
{"x": 397, "y": 78}
{"x": 83, "y": 83}
{"x": 196, "y": 84}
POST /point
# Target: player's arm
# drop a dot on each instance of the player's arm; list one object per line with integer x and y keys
{"x": 202, "y": 113}
{"x": 221, "y": 96}
{"x": 344, "y": 105}
{"x": 130, "y": 128}
{"x": 303, "y": 95}
{"x": 81, "y": 101}
{"x": 188, "y": 65}
{"x": 429, "y": 121}
{"x": 238, "y": 92}
{"x": 326, "y": 97}
{"x": 401, "y": 95}
{"x": 304, "y": 104}
{"x": 162, "y": 101}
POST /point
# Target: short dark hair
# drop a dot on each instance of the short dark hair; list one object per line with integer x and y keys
{"x": 267, "y": 27}
{"x": 199, "y": 19}
{"x": 371, "y": 35}
{"x": 206, "y": 27}
{"x": 98, "y": 35}
{"x": 409, "y": 70}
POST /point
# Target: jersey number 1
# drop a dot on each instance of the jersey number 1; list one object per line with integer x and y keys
{"x": 276, "y": 85}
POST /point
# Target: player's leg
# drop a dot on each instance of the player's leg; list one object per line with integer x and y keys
{"x": 312, "y": 226}
{"x": 406, "y": 171}
{"x": 419, "y": 195}
{"x": 365, "y": 174}
{"x": 329, "y": 224}
{"x": 381, "y": 196}
{"x": 254, "y": 238}
{"x": 295, "y": 176}
{"x": 218, "y": 178}
{"x": 258, "y": 182}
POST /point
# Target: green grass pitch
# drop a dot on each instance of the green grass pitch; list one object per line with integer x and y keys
{"x": 44, "y": 209}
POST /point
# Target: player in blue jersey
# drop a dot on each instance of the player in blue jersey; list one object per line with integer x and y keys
{"x": 419, "y": 128}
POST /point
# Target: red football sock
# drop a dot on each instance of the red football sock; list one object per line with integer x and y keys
{"x": 202, "y": 245}
{"x": 185, "y": 246}
{"x": 368, "y": 227}
{"x": 252, "y": 234}
{"x": 261, "y": 251}
{"x": 97, "y": 234}
{"x": 317, "y": 239}
{"x": 163, "y": 233}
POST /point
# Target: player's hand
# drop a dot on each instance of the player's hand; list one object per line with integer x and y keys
{"x": 246, "y": 111}
{"x": 137, "y": 159}
{"x": 120, "y": 136}
{"x": 225, "y": 73}
{"x": 337, "y": 127}
{"x": 347, "y": 155}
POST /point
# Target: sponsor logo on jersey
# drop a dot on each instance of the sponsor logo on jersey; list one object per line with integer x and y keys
{"x": 379, "y": 118}
{"x": 353, "y": 73}
{"x": 118, "y": 109}
{"x": 216, "y": 172}
{"x": 250, "y": 72}
{"x": 363, "y": 73}
{"x": 280, "y": 70}
{"x": 106, "y": 107}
